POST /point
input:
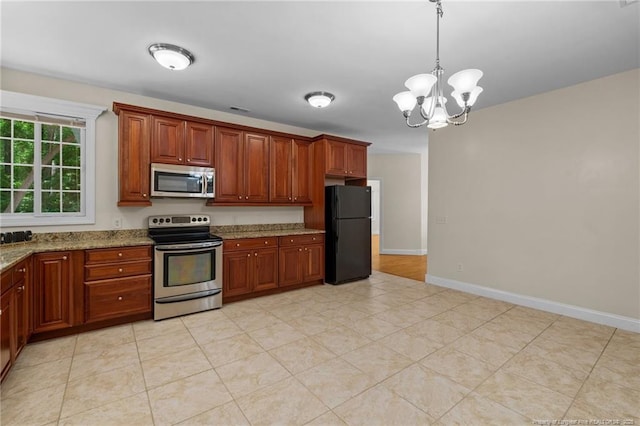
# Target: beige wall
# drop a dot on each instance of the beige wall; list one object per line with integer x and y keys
{"x": 402, "y": 201}
{"x": 107, "y": 156}
{"x": 541, "y": 197}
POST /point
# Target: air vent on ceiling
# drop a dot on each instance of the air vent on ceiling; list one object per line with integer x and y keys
{"x": 239, "y": 109}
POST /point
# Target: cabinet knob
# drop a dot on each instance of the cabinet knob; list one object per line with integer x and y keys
{"x": 179, "y": 159}
{"x": 289, "y": 198}
{"x": 144, "y": 195}
{"x": 237, "y": 244}
{"x": 266, "y": 242}
{"x": 239, "y": 197}
{"x": 119, "y": 297}
{"x": 291, "y": 241}
{"x": 305, "y": 249}
{"x": 22, "y": 270}
{"x": 21, "y": 288}
{"x": 0, "y": 312}
{"x": 346, "y": 172}
{"x": 188, "y": 160}
{"x": 246, "y": 198}
{"x": 249, "y": 255}
{"x": 120, "y": 270}
{"x": 255, "y": 254}
{"x": 314, "y": 238}
{"x": 64, "y": 257}
{"x": 295, "y": 199}
{"x": 119, "y": 254}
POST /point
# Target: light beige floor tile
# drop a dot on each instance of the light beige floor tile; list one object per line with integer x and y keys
{"x": 585, "y": 328}
{"x": 102, "y": 360}
{"x": 524, "y": 313}
{"x": 231, "y": 349}
{"x": 393, "y": 299}
{"x": 327, "y": 419}
{"x": 290, "y": 311}
{"x": 580, "y": 337}
{"x": 458, "y": 366}
{"x": 133, "y": 411}
{"x": 368, "y": 291}
{"x": 344, "y": 314}
{"x": 155, "y": 347}
{"x": 608, "y": 400}
{"x": 284, "y": 403}
{"x": 214, "y": 331}
{"x": 100, "y": 389}
{"x": 268, "y": 302}
{"x": 174, "y": 366}
{"x": 516, "y": 323}
{"x": 485, "y": 350}
{"x": 256, "y": 321}
{"x": 413, "y": 347}
{"x": 444, "y": 299}
{"x": 335, "y": 381}
{"x": 458, "y": 320}
{"x": 435, "y": 331}
{"x": 504, "y": 335}
{"x": 431, "y": 392}
{"x": 380, "y": 406}
{"x": 275, "y": 335}
{"x": 227, "y": 414}
{"x": 569, "y": 356}
{"x": 151, "y": 328}
{"x": 373, "y": 328}
{"x": 340, "y": 340}
{"x": 457, "y": 296}
{"x": 35, "y": 378}
{"x": 250, "y": 374}
{"x": 311, "y": 324}
{"x": 241, "y": 309}
{"x": 546, "y": 373}
{"x": 188, "y": 397}
{"x": 367, "y": 306}
{"x": 524, "y": 396}
{"x": 623, "y": 351}
{"x": 34, "y": 408}
{"x": 400, "y": 317}
{"x": 477, "y": 410}
{"x": 377, "y": 360}
{"x": 104, "y": 339}
{"x": 49, "y": 350}
{"x": 620, "y": 371}
{"x": 301, "y": 355}
{"x": 479, "y": 310}
{"x": 209, "y": 317}
{"x": 626, "y": 338}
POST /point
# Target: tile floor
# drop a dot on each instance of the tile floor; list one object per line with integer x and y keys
{"x": 384, "y": 351}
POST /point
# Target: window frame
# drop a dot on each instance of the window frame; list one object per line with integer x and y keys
{"x": 25, "y": 104}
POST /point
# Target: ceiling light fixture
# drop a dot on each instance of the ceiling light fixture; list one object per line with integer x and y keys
{"x": 171, "y": 56}
{"x": 426, "y": 91}
{"x": 319, "y": 99}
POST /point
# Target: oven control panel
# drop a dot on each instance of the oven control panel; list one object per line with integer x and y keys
{"x": 179, "y": 220}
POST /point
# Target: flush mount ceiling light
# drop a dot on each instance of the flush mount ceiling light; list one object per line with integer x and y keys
{"x": 426, "y": 91}
{"x": 319, "y": 99}
{"x": 171, "y": 56}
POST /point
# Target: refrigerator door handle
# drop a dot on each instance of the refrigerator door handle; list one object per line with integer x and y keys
{"x": 336, "y": 233}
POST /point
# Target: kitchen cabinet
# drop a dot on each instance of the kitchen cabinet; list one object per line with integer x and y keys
{"x": 7, "y": 331}
{"x": 56, "y": 297}
{"x": 182, "y": 142}
{"x": 301, "y": 259}
{"x": 249, "y": 265}
{"x": 242, "y": 166}
{"x": 345, "y": 159}
{"x": 22, "y": 293}
{"x": 290, "y": 171}
{"x": 117, "y": 282}
{"x": 134, "y": 141}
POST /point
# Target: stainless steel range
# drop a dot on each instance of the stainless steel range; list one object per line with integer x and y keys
{"x": 187, "y": 265}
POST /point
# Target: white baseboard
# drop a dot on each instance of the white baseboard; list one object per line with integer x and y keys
{"x": 612, "y": 320}
{"x": 420, "y": 252}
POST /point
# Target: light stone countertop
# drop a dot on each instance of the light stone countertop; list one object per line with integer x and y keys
{"x": 267, "y": 233}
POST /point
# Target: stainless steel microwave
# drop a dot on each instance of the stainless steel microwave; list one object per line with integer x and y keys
{"x": 169, "y": 180}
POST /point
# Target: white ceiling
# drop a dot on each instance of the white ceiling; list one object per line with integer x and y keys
{"x": 265, "y": 56}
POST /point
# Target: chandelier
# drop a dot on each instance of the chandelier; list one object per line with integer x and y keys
{"x": 426, "y": 91}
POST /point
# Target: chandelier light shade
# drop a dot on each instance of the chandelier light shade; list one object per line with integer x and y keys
{"x": 426, "y": 91}
{"x": 319, "y": 99}
{"x": 171, "y": 56}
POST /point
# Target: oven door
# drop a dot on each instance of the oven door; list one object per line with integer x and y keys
{"x": 187, "y": 268}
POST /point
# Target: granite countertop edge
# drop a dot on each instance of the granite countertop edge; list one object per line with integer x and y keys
{"x": 267, "y": 233}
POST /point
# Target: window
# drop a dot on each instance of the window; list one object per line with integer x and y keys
{"x": 47, "y": 164}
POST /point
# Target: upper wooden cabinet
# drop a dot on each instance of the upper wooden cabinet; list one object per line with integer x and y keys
{"x": 345, "y": 159}
{"x": 134, "y": 142}
{"x": 290, "y": 171}
{"x": 242, "y": 166}
{"x": 183, "y": 142}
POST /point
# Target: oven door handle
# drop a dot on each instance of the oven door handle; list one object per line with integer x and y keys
{"x": 185, "y": 247}
{"x": 190, "y": 296}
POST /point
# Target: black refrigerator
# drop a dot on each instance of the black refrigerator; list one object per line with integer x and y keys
{"x": 348, "y": 233}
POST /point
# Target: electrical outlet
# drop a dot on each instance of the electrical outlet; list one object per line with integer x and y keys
{"x": 117, "y": 222}
{"x": 460, "y": 267}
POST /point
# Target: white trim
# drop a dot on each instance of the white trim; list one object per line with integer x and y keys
{"x": 599, "y": 317}
{"x": 32, "y": 103}
{"x": 414, "y": 252}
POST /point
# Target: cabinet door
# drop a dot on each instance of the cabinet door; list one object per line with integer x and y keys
{"x": 302, "y": 173}
{"x": 357, "y": 160}
{"x": 199, "y": 145}
{"x": 280, "y": 168}
{"x": 289, "y": 270}
{"x": 313, "y": 268}
{"x": 134, "y": 158}
{"x": 229, "y": 149}
{"x": 238, "y": 273}
{"x": 256, "y": 168}
{"x": 52, "y": 291}
{"x": 167, "y": 141}
{"x": 336, "y": 158}
{"x": 22, "y": 291}
{"x": 7, "y": 331}
{"x": 266, "y": 269}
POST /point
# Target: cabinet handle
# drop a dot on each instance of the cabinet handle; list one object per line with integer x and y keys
{"x": 314, "y": 238}
{"x": 22, "y": 270}
{"x": 119, "y": 297}
{"x": 266, "y": 242}
{"x": 255, "y": 254}
{"x": 179, "y": 159}
{"x": 64, "y": 257}
{"x": 0, "y": 312}
{"x": 239, "y": 197}
{"x": 346, "y": 172}
{"x": 300, "y": 249}
{"x": 144, "y": 195}
{"x": 21, "y": 288}
{"x": 246, "y": 198}
{"x": 237, "y": 244}
{"x": 120, "y": 270}
{"x": 119, "y": 254}
{"x": 291, "y": 241}
{"x": 289, "y": 198}
{"x": 249, "y": 255}
{"x": 188, "y": 160}
{"x": 305, "y": 249}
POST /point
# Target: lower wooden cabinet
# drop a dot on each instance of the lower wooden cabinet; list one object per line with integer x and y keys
{"x": 22, "y": 292}
{"x": 7, "y": 331}
{"x": 249, "y": 265}
{"x": 301, "y": 259}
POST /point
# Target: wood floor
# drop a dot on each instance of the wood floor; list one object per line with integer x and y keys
{"x": 414, "y": 267}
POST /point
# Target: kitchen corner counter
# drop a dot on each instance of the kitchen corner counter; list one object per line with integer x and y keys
{"x": 267, "y": 233}
{"x": 11, "y": 254}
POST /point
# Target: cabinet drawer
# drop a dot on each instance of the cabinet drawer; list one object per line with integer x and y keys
{"x": 249, "y": 243}
{"x": 117, "y": 254}
{"x": 116, "y": 270}
{"x": 114, "y": 298}
{"x": 296, "y": 240}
